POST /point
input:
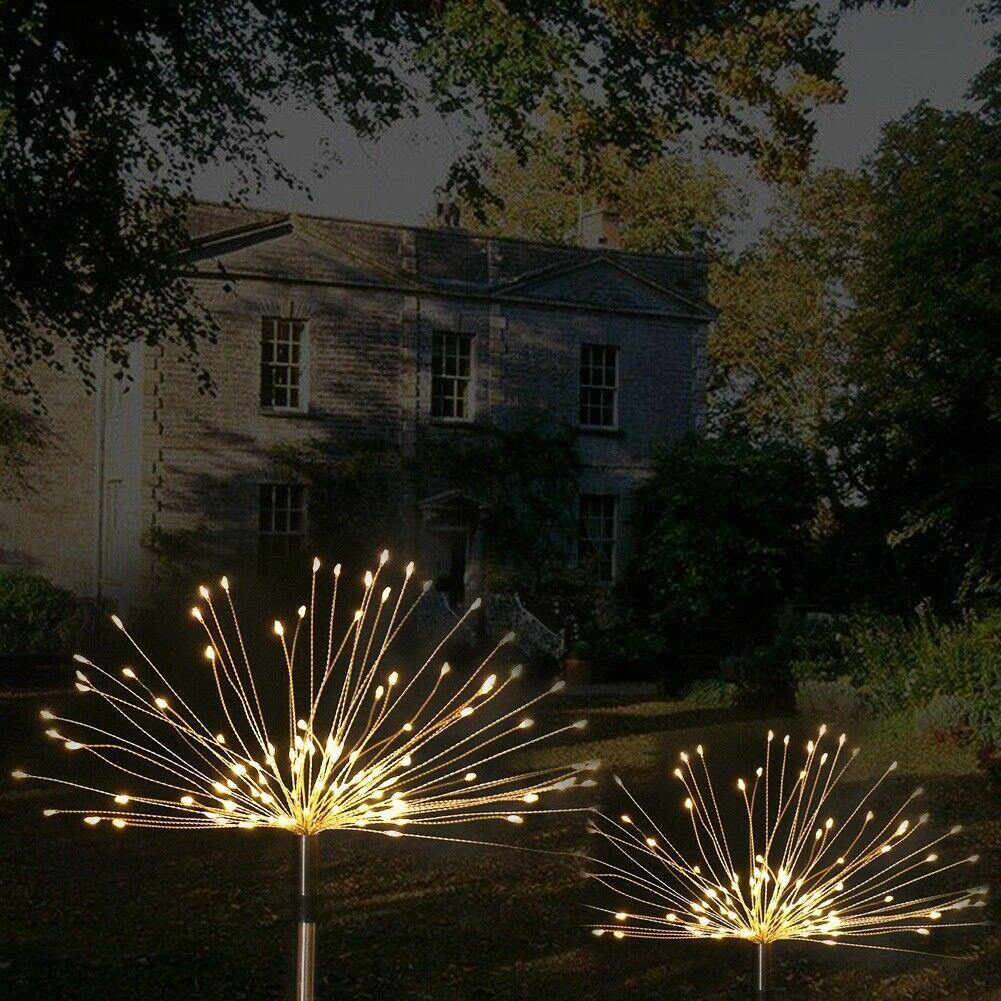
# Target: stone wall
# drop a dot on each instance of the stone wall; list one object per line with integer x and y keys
{"x": 48, "y": 506}
{"x": 372, "y": 295}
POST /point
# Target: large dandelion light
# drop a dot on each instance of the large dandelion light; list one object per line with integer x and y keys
{"x": 359, "y": 744}
{"x": 796, "y": 872}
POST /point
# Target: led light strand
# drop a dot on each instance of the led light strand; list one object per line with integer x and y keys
{"x": 804, "y": 876}
{"x": 360, "y": 768}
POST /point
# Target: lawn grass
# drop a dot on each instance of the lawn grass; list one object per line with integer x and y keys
{"x": 88, "y": 915}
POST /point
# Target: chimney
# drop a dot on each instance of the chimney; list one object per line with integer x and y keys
{"x": 599, "y": 225}
{"x": 446, "y": 209}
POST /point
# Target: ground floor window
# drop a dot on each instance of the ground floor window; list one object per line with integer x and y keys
{"x": 596, "y": 534}
{"x": 281, "y": 519}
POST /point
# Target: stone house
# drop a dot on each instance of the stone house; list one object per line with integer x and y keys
{"x": 350, "y": 333}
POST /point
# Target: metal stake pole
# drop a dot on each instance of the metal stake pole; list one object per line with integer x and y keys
{"x": 305, "y": 949}
{"x": 762, "y": 970}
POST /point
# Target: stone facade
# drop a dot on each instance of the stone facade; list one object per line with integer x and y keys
{"x": 162, "y": 461}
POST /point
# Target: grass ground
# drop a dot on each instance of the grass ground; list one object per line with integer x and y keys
{"x": 88, "y": 915}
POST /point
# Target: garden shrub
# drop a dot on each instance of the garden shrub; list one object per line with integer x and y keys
{"x": 803, "y": 646}
{"x": 945, "y": 718}
{"x": 902, "y": 666}
{"x": 722, "y": 544}
{"x": 37, "y": 617}
{"x": 830, "y": 701}
{"x": 712, "y": 693}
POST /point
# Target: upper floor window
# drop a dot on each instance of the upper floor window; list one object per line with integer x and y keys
{"x": 599, "y": 384}
{"x": 281, "y": 519}
{"x": 283, "y": 364}
{"x": 451, "y": 376}
{"x": 596, "y": 534}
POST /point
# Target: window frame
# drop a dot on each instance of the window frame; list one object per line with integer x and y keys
{"x": 585, "y": 539}
{"x": 302, "y": 366}
{"x": 469, "y": 379}
{"x": 268, "y": 541}
{"x": 584, "y": 387}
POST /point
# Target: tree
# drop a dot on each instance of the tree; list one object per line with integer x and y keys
{"x": 780, "y": 348}
{"x": 660, "y": 201}
{"x": 921, "y": 433}
{"x": 107, "y": 114}
{"x": 721, "y": 530}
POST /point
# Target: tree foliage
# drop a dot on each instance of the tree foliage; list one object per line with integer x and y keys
{"x": 921, "y": 434}
{"x": 780, "y": 348}
{"x": 524, "y": 478}
{"x": 109, "y": 112}
{"x": 660, "y": 201}
{"x": 723, "y": 531}
{"x": 353, "y": 493}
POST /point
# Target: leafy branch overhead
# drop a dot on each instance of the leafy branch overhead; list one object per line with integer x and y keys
{"x": 108, "y": 114}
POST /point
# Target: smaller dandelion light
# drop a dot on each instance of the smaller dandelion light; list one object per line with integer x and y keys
{"x": 355, "y": 744}
{"x": 788, "y": 870}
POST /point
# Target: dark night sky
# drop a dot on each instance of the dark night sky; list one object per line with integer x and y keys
{"x": 892, "y": 60}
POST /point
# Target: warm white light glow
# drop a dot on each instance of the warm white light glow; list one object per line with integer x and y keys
{"x": 797, "y": 872}
{"x": 354, "y": 746}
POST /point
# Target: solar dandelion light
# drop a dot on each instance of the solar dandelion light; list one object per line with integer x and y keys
{"x": 359, "y": 746}
{"x": 795, "y": 874}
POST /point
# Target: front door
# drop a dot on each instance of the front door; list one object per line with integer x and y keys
{"x": 449, "y": 553}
